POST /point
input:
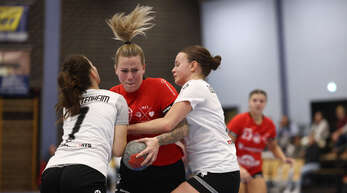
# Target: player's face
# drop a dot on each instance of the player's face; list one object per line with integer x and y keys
{"x": 257, "y": 103}
{"x": 130, "y": 72}
{"x": 181, "y": 71}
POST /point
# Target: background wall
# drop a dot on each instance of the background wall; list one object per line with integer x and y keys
{"x": 244, "y": 33}
{"x": 84, "y": 31}
{"x": 316, "y": 44}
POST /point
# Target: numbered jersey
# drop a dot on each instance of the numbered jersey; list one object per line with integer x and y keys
{"x": 251, "y": 139}
{"x": 208, "y": 145}
{"x": 88, "y": 136}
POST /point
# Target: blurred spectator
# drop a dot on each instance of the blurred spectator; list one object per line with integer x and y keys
{"x": 320, "y": 129}
{"x": 295, "y": 149}
{"x": 312, "y": 161}
{"x": 286, "y": 131}
{"x": 339, "y": 137}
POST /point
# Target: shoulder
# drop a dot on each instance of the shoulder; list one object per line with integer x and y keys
{"x": 269, "y": 122}
{"x": 109, "y": 93}
{"x": 116, "y": 88}
{"x": 238, "y": 119}
{"x": 160, "y": 83}
{"x": 155, "y": 81}
{"x": 198, "y": 85}
{"x": 241, "y": 117}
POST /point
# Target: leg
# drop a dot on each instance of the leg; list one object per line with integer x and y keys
{"x": 185, "y": 188}
{"x": 243, "y": 188}
{"x": 257, "y": 185}
{"x": 169, "y": 177}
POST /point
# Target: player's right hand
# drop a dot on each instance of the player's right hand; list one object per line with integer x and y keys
{"x": 151, "y": 150}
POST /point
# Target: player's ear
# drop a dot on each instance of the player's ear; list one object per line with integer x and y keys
{"x": 194, "y": 65}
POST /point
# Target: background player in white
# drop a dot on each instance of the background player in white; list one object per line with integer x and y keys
{"x": 211, "y": 153}
{"x": 95, "y": 127}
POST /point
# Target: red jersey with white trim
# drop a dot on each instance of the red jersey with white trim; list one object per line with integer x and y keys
{"x": 151, "y": 101}
{"x": 251, "y": 140}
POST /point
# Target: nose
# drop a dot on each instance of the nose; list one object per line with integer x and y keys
{"x": 130, "y": 76}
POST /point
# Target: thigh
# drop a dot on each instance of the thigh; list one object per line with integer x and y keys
{"x": 82, "y": 179}
{"x": 257, "y": 185}
{"x": 243, "y": 188}
{"x": 50, "y": 180}
{"x": 185, "y": 187}
{"x": 168, "y": 177}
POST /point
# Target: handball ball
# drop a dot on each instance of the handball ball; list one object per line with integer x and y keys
{"x": 129, "y": 157}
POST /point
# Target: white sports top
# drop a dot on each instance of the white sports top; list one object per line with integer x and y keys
{"x": 88, "y": 136}
{"x": 209, "y": 148}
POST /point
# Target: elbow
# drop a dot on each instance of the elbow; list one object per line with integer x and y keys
{"x": 167, "y": 126}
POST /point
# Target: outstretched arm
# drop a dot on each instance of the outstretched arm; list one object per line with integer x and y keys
{"x": 175, "y": 135}
{"x": 165, "y": 124}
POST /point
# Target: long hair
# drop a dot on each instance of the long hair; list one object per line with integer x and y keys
{"x": 73, "y": 81}
{"x": 203, "y": 57}
{"x": 126, "y": 27}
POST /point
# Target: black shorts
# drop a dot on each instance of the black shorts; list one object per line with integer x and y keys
{"x": 258, "y": 174}
{"x": 154, "y": 179}
{"x": 216, "y": 182}
{"x": 72, "y": 179}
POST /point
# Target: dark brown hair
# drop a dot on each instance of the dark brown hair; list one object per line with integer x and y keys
{"x": 203, "y": 57}
{"x": 257, "y": 91}
{"x": 73, "y": 81}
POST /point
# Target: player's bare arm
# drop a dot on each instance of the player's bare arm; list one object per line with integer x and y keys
{"x": 175, "y": 135}
{"x": 153, "y": 144}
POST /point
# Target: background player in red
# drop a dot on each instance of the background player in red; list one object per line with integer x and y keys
{"x": 147, "y": 98}
{"x": 252, "y": 131}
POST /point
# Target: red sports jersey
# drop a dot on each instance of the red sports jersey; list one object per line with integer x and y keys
{"x": 251, "y": 140}
{"x": 151, "y": 101}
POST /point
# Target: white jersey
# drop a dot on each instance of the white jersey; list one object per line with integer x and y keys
{"x": 209, "y": 148}
{"x": 88, "y": 136}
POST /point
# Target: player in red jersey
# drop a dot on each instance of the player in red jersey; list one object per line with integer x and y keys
{"x": 252, "y": 132}
{"x": 147, "y": 99}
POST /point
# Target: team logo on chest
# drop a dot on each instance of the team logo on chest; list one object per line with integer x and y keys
{"x": 143, "y": 112}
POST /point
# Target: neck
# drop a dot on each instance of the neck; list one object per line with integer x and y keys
{"x": 256, "y": 117}
{"x": 196, "y": 76}
{"x": 94, "y": 86}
